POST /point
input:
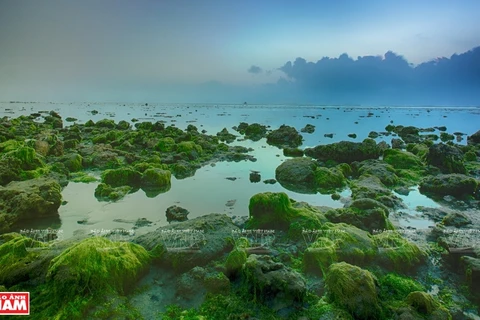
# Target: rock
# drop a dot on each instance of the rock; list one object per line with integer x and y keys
{"x": 175, "y": 213}
{"x": 402, "y": 159}
{"x": 435, "y": 214}
{"x": 397, "y": 143}
{"x": 285, "y": 136}
{"x": 270, "y": 181}
{"x": 297, "y": 174}
{"x": 328, "y": 135}
{"x": 106, "y": 192}
{"x": 199, "y": 281}
{"x": 73, "y": 162}
{"x": 396, "y": 253}
{"x": 373, "y": 135}
{"x": 275, "y": 211}
{"x": 292, "y": 152}
{"x": 142, "y": 222}
{"x": 309, "y": 128}
{"x": 449, "y": 184}
{"x": 155, "y": 178}
{"x": 352, "y": 135}
{"x": 255, "y": 177}
{"x": 345, "y": 151}
{"x": 341, "y": 242}
{"x": 366, "y": 214}
{"x": 448, "y": 158}
{"x": 276, "y": 285}
{"x": 121, "y": 177}
{"x": 368, "y": 187}
{"x": 456, "y": 219}
{"x": 305, "y": 176}
{"x": 105, "y": 123}
{"x": 472, "y": 272}
{"x": 474, "y": 139}
{"x": 354, "y": 289}
{"x": 212, "y": 233}
{"x": 253, "y": 131}
{"x": 226, "y": 136}
{"x": 379, "y": 169}
{"x": 31, "y": 199}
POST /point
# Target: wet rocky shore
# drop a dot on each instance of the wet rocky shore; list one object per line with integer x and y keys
{"x": 288, "y": 260}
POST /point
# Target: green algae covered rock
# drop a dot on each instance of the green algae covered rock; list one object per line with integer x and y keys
{"x": 449, "y": 184}
{"x": 383, "y": 171}
{"x": 397, "y": 287}
{"x": 448, "y": 158}
{"x": 335, "y": 243}
{"x": 305, "y": 176}
{"x": 31, "y": 199}
{"x": 345, "y": 151}
{"x": 397, "y": 253}
{"x": 105, "y": 123}
{"x": 121, "y": 177}
{"x": 97, "y": 264}
{"x": 17, "y": 262}
{"x": 73, "y": 162}
{"x": 354, "y": 289}
{"x": 166, "y": 144}
{"x": 106, "y": 192}
{"x": 285, "y": 136}
{"x": 190, "y": 148}
{"x": 402, "y": 159}
{"x": 235, "y": 261}
{"x": 29, "y": 160}
{"x": 275, "y": 210}
{"x": 156, "y": 178}
{"x": 366, "y": 214}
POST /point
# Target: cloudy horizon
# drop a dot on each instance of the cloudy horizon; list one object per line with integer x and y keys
{"x": 371, "y": 52}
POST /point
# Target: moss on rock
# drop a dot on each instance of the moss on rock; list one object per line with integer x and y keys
{"x": 235, "y": 261}
{"x": 121, "y": 177}
{"x": 397, "y": 253}
{"x": 156, "y": 178}
{"x": 402, "y": 159}
{"x": 354, "y": 289}
{"x": 449, "y": 184}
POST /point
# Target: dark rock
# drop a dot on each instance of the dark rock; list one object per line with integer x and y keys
{"x": 285, "y": 136}
{"x": 270, "y": 181}
{"x": 474, "y": 139}
{"x": 352, "y": 135}
{"x": 292, "y": 152}
{"x": 31, "y": 199}
{"x": 398, "y": 143}
{"x": 345, "y": 151}
{"x": 456, "y": 219}
{"x": 175, "y": 213}
{"x": 449, "y": 184}
{"x": 309, "y": 128}
{"x": 255, "y": 177}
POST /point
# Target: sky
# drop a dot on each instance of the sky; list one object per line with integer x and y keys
{"x": 232, "y": 51}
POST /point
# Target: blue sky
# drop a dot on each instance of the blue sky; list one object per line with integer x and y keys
{"x": 59, "y": 50}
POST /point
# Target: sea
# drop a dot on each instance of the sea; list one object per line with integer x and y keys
{"x": 209, "y": 190}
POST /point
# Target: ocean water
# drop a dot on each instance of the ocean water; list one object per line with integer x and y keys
{"x": 208, "y": 190}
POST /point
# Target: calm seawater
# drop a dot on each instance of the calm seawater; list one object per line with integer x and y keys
{"x": 209, "y": 190}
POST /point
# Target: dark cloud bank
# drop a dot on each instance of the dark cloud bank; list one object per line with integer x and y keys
{"x": 382, "y": 80}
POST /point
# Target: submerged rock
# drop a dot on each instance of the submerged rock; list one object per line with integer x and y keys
{"x": 309, "y": 128}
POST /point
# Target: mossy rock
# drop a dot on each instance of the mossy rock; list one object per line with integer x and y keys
{"x": 10, "y": 145}
{"x": 336, "y": 243}
{"x": 397, "y": 253}
{"x": 17, "y": 257}
{"x": 121, "y": 177}
{"x": 448, "y": 158}
{"x": 366, "y": 214}
{"x": 292, "y": 152}
{"x": 235, "y": 261}
{"x": 385, "y": 172}
{"x": 107, "y": 192}
{"x": 285, "y": 136}
{"x": 166, "y": 145}
{"x": 73, "y": 162}
{"x": 454, "y": 184}
{"x": 422, "y": 302}
{"x": 275, "y": 210}
{"x": 82, "y": 177}
{"x": 192, "y": 150}
{"x": 353, "y": 289}
{"x": 470, "y": 156}
{"x": 297, "y": 174}
{"x": 93, "y": 268}
{"x": 397, "y": 287}
{"x": 329, "y": 179}
{"x": 345, "y": 151}
{"x": 255, "y": 131}
{"x": 419, "y": 149}
{"x": 402, "y": 159}
{"x": 156, "y": 178}
{"x": 29, "y": 159}
{"x": 105, "y": 123}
